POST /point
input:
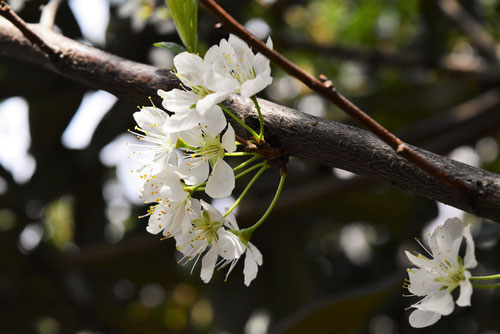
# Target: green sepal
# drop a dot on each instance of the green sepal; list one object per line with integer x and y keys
{"x": 182, "y": 144}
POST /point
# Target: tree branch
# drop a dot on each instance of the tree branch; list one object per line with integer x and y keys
{"x": 303, "y": 136}
{"x": 324, "y": 87}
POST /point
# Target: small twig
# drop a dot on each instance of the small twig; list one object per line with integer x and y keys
{"x": 245, "y": 142}
{"x": 324, "y": 88}
{"x": 49, "y": 12}
{"x": 10, "y": 15}
{"x": 483, "y": 40}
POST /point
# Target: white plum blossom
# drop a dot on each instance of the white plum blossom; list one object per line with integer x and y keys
{"x": 159, "y": 152}
{"x": 206, "y": 90}
{"x": 175, "y": 209}
{"x": 184, "y": 153}
{"x": 234, "y": 58}
{"x": 436, "y": 277}
{"x": 207, "y": 149}
{"x": 208, "y": 232}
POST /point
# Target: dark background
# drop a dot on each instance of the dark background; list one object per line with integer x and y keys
{"x": 75, "y": 257}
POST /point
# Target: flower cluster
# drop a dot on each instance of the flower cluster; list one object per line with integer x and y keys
{"x": 436, "y": 277}
{"x": 185, "y": 153}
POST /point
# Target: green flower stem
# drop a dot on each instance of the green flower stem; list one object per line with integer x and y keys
{"x": 262, "y": 164}
{"x": 246, "y": 234}
{"x": 247, "y": 188}
{"x": 238, "y": 154}
{"x": 240, "y": 122}
{"x": 484, "y": 278}
{"x": 246, "y": 163}
{"x": 486, "y": 286}
{"x": 197, "y": 187}
{"x": 261, "y": 121}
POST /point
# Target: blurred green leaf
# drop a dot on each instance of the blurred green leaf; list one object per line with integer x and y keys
{"x": 174, "y": 47}
{"x": 185, "y": 15}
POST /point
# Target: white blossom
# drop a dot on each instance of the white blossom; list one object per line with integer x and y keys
{"x": 206, "y": 90}
{"x": 208, "y": 233}
{"x": 436, "y": 277}
{"x": 175, "y": 209}
{"x": 158, "y": 150}
{"x": 234, "y": 58}
{"x": 207, "y": 149}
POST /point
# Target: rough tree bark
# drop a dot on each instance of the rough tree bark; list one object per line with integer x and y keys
{"x": 300, "y": 135}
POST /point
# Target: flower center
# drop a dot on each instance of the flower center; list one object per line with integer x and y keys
{"x": 208, "y": 227}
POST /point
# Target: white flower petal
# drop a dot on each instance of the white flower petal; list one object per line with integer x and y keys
{"x": 178, "y": 100}
{"x": 440, "y": 302}
{"x": 446, "y": 239}
{"x": 253, "y": 86}
{"x": 422, "y": 282}
{"x": 420, "y": 319}
{"x": 269, "y": 42}
{"x": 253, "y": 259}
{"x": 465, "y": 291}
{"x": 172, "y": 188}
{"x": 470, "y": 257}
{"x": 419, "y": 261}
{"x": 231, "y": 222}
{"x": 194, "y": 171}
{"x": 154, "y": 226}
{"x": 209, "y": 101}
{"x": 183, "y": 121}
{"x": 230, "y": 246}
{"x": 208, "y": 264}
{"x": 214, "y": 214}
{"x": 221, "y": 181}
{"x": 214, "y": 122}
{"x": 151, "y": 119}
{"x": 190, "y": 68}
{"x": 229, "y": 139}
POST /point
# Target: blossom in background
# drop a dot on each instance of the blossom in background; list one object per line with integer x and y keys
{"x": 234, "y": 58}
{"x": 142, "y": 12}
{"x": 175, "y": 209}
{"x": 199, "y": 103}
{"x": 208, "y": 232}
{"x": 436, "y": 277}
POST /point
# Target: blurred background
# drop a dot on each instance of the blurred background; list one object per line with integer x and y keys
{"x": 76, "y": 258}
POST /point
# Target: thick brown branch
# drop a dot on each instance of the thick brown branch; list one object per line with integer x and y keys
{"x": 325, "y": 88}
{"x": 86, "y": 64}
{"x": 301, "y": 135}
{"x": 10, "y": 15}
